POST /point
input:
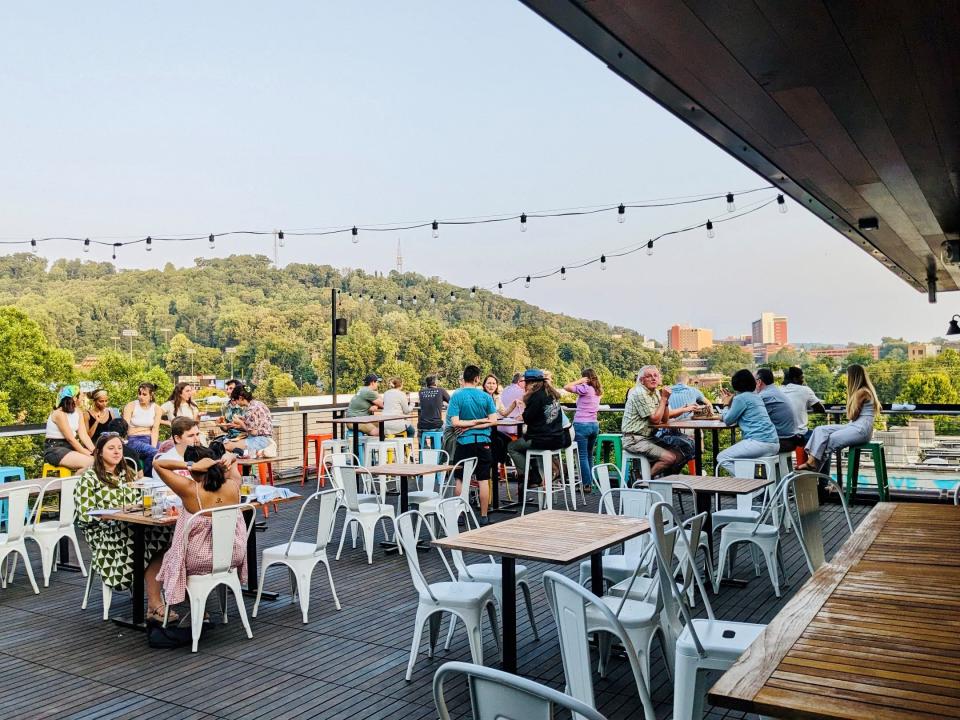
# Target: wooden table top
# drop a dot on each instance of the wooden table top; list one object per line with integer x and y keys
{"x": 247, "y": 462}
{"x": 551, "y": 536}
{"x": 874, "y": 634}
{"x": 693, "y": 424}
{"x": 368, "y": 419}
{"x": 408, "y": 469}
{"x": 718, "y": 485}
{"x": 137, "y": 517}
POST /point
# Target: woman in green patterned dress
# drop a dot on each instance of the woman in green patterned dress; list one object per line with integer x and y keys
{"x": 107, "y": 485}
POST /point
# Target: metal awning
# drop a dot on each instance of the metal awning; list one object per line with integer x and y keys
{"x": 851, "y": 108}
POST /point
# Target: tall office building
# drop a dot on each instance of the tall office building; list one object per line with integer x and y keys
{"x": 684, "y": 338}
{"x": 770, "y": 329}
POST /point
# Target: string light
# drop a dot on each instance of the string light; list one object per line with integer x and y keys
{"x": 710, "y": 232}
{"x": 115, "y": 246}
{"x": 523, "y": 222}
{"x": 563, "y": 273}
{"x": 453, "y": 296}
{"x": 731, "y": 205}
{"x": 473, "y": 292}
{"x": 399, "y": 300}
{"x": 603, "y": 262}
{"x": 414, "y": 299}
{"x": 280, "y": 238}
{"x": 433, "y": 299}
{"x": 500, "y": 287}
{"x": 384, "y": 299}
{"x": 436, "y": 229}
{"x": 149, "y": 242}
{"x": 526, "y": 284}
{"x": 355, "y": 235}
{"x": 86, "y": 245}
{"x": 621, "y": 213}
{"x": 781, "y": 205}
{"x": 33, "y": 246}
{"x": 213, "y": 242}
{"x": 649, "y": 247}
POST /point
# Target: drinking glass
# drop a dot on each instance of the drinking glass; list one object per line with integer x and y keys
{"x": 159, "y": 502}
{"x": 147, "y": 502}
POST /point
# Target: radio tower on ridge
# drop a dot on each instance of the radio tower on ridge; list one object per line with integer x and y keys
{"x": 399, "y": 258}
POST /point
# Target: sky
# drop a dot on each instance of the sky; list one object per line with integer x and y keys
{"x": 122, "y": 120}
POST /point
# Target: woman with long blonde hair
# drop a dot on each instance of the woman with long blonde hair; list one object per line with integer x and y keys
{"x": 862, "y": 406}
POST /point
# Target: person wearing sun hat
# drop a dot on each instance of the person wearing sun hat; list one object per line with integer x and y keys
{"x": 67, "y": 443}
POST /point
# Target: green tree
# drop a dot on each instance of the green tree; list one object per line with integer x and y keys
{"x": 726, "y": 359}
{"x": 934, "y": 387}
{"x": 120, "y": 375}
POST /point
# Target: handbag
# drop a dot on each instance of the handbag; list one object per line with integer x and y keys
{"x": 169, "y": 637}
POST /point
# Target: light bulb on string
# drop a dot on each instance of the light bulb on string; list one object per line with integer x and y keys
{"x": 384, "y": 299}
{"x": 414, "y": 299}
{"x": 115, "y": 246}
{"x": 213, "y": 241}
{"x": 473, "y": 292}
{"x": 33, "y": 246}
{"x": 621, "y": 213}
{"x": 603, "y": 262}
{"x": 149, "y": 242}
{"x": 453, "y": 296}
{"x": 523, "y": 222}
{"x": 436, "y": 229}
{"x": 710, "y": 232}
{"x": 563, "y": 273}
{"x": 649, "y": 247}
{"x": 280, "y": 238}
{"x": 500, "y": 287}
{"x": 86, "y": 245}
{"x": 355, "y": 235}
{"x": 781, "y": 204}
{"x": 433, "y": 299}
{"x": 526, "y": 283}
{"x": 399, "y": 300}
{"x": 731, "y": 205}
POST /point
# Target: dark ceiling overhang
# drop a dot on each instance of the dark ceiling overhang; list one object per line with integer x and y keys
{"x": 850, "y": 107}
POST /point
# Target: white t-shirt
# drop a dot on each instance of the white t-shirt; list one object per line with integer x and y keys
{"x": 801, "y": 398}
{"x": 395, "y": 402}
{"x": 186, "y": 410}
{"x": 171, "y": 454}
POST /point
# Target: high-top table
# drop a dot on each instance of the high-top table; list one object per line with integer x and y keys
{"x": 551, "y": 536}
{"x": 698, "y": 426}
{"x": 874, "y": 634}
{"x": 355, "y": 422}
{"x": 496, "y": 505}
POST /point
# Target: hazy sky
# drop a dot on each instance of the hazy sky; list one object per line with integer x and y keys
{"x": 131, "y": 119}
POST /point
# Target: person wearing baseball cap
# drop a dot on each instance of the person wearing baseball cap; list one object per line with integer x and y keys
{"x": 67, "y": 441}
{"x": 362, "y": 403}
{"x": 543, "y": 418}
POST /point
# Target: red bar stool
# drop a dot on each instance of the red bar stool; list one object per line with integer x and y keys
{"x": 801, "y": 455}
{"x": 315, "y": 439}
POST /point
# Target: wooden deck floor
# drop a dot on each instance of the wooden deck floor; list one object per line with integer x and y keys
{"x": 57, "y": 661}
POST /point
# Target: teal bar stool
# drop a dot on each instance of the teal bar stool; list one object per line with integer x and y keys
{"x": 436, "y": 439}
{"x": 879, "y": 469}
{"x": 606, "y": 441}
{"x": 9, "y": 472}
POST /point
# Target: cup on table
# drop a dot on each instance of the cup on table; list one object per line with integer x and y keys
{"x": 159, "y": 502}
{"x": 246, "y": 488}
{"x": 147, "y": 502}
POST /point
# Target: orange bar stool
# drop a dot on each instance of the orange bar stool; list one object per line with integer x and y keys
{"x": 316, "y": 440}
{"x": 801, "y": 455}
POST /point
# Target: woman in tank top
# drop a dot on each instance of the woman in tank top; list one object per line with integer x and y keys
{"x": 143, "y": 421}
{"x": 67, "y": 443}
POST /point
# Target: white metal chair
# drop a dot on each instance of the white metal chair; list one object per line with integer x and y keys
{"x": 224, "y": 527}
{"x": 363, "y": 514}
{"x": 703, "y": 643}
{"x": 747, "y": 509}
{"x": 498, "y": 695}
{"x": 432, "y": 485}
{"x": 800, "y": 499}
{"x": 571, "y": 457}
{"x": 601, "y": 478}
{"x": 577, "y": 613}
{"x": 106, "y": 593}
{"x": 302, "y": 557}
{"x": 763, "y": 534}
{"x": 467, "y": 467}
{"x": 12, "y": 541}
{"x": 47, "y": 533}
{"x": 626, "y": 458}
{"x": 465, "y": 600}
{"x": 490, "y": 572}
{"x": 548, "y": 488}
{"x": 629, "y": 502}
{"x": 383, "y": 452}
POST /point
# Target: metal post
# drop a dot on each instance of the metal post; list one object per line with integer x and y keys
{"x": 333, "y": 352}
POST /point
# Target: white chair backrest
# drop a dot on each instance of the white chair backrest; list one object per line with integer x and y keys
{"x": 326, "y": 514}
{"x": 747, "y": 468}
{"x": 772, "y": 510}
{"x": 408, "y": 524}
{"x": 468, "y": 466}
{"x": 433, "y": 482}
{"x": 449, "y": 512}
{"x": 498, "y": 695}
{"x": 223, "y": 522}
{"x": 67, "y": 505}
{"x": 346, "y": 458}
{"x": 345, "y": 480}
{"x": 17, "y": 509}
{"x": 675, "y": 601}
{"x": 635, "y": 503}
{"x": 601, "y": 476}
{"x": 800, "y": 498}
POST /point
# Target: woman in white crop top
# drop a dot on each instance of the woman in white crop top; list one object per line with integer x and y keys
{"x": 67, "y": 443}
{"x": 143, "y": 423}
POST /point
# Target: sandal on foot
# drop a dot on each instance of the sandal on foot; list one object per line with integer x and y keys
{"x": 157, "y": 614}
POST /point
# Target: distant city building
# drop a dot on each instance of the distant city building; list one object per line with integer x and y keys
{"x": 684, "y": 338}
{"x": 762, "y": 353}
{"x": 739, "y": 340}
{"x": 693, "y": 364}
{"x": 919, "y": 351}
{"x": 839, "y": 353}
{"x": 770, "y": 329}
{"x": 199, "y": 380}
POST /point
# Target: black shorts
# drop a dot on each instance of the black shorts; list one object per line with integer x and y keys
{"x": 480, "y": 451}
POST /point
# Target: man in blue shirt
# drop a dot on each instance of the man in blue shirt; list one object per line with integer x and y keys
{"x": 472, "y": 413}
{"x": 683, "y": 394}
{"x": 779, "y": 409}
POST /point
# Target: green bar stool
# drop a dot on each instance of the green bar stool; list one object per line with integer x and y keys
{"x": 609, "y": 439}
{"x": 879, "y": 469}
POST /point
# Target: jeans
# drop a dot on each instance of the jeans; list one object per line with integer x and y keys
{"x": 140, "y": 444}
{"x": 746, "y": 449}
{"x": 585, "y": 435}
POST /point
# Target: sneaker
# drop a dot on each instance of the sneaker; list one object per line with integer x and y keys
{"x": 484, "y": 521}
